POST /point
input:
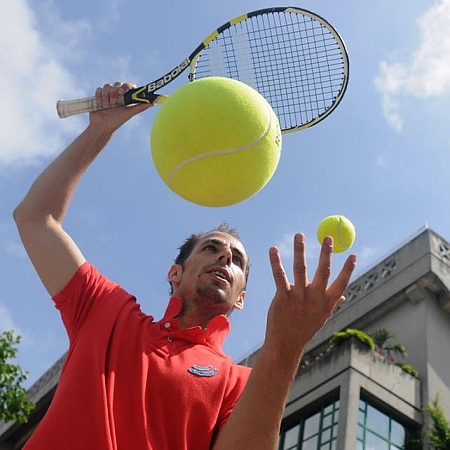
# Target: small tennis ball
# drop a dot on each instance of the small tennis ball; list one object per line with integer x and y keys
{"x": 216, "y": 141}
{"x": 340, "y": 229}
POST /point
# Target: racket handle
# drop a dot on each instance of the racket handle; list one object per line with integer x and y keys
{"x": 67, "y": 108}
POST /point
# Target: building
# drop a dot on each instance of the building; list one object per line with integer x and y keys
{"x": 348, "y": 397}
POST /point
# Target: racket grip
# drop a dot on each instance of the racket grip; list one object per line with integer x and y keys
{"x": 68, "y": 108}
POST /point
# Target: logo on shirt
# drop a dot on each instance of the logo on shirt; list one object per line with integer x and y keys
{"x": 203, "y": 371}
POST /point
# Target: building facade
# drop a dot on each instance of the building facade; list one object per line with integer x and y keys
{"x": 348, "y": 397}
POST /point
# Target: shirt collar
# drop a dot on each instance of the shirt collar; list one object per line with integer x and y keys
{"x": 215, "y": 333}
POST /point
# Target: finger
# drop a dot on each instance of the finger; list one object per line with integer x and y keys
{"x": 300, "y": 276}
{"x": 125, "y": 87}
{"x": 114, "y": 93}
{"x": 105, "y": 95}
{"x": 323, "y": 271}
{"x": 278, "y": 272}
{"x": 336, "y": 304}
{"x": 98, "y": 97}
{"x": 340, "y": 284}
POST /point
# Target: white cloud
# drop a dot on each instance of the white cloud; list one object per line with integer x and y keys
{"x": 6, "y": 321}
{"x": 286, "y": 247}
{"x": 33, "y": 76}
{"x": 427, "y": 74}
{"x": 9, "y": 241}
{"x": 47, "y": 340}
{"x": 368, "y": 257}
{"x": 111, "y": 16}
{"x": 66, "y": 40}
{"x": 390, "y": 106}
{"x": 382, "y": 160}
{"x": 368, "y": 254}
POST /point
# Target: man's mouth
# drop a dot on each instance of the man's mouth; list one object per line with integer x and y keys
{"x": 221, "y": 274}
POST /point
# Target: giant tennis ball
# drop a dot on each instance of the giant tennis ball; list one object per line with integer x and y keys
{"x": 216, "y": 141}
{"x": 340, "y": 229}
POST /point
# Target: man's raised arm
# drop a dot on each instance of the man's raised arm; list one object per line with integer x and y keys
{"x": 40, "y": 215}
{"x": 297, "y": 312}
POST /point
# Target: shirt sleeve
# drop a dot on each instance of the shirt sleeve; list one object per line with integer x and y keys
{"x": 89, "y": 296}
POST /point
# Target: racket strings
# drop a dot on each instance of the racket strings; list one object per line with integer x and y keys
{"x": 293, "y": 60}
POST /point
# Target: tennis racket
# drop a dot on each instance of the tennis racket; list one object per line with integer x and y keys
{"x": 291, "y": 56}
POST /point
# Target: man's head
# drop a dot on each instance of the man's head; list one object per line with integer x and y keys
{"x": 212, "y": 267}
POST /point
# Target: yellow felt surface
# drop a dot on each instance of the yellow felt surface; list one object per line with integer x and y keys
{"x": 340, "y": 228}
{"x": 216, "y": 141}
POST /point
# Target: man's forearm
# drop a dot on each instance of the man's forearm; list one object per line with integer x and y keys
{"x": 39, "y": 216}
{"x": 255, "y": 422}
{"x": 51, "y": 192}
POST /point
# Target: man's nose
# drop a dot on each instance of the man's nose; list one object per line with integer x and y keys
{"x": 226, "y": 255}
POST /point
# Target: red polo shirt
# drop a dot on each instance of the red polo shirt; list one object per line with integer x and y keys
{"x": 132, "y": 383}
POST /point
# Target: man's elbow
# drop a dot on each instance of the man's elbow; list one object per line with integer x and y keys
{"x": 24, "y": 216}
{"x": 19, "y": 214}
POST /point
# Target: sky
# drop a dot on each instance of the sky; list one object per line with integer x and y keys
{"x": 382, "y": 158}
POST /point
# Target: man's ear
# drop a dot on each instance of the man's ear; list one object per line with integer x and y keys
{"x": 240, "y": 301}
{"x": 173, "y": 277}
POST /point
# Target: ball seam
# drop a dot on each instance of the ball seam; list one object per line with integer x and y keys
{"x": 221, "y": 151}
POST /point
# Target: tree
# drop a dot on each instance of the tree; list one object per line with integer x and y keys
{"x": 14, "y": 403}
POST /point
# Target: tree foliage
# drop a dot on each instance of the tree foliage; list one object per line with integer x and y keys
{"x": 14, "y": 403}
{"x": 439, "y": 433}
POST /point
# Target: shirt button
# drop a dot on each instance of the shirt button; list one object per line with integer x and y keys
{"x": 170, "y": 339}
{"x": 167, "y": 325}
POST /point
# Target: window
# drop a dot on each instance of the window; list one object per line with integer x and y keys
{"x": 377, "y": 430}
{"x": 314, "y": 432}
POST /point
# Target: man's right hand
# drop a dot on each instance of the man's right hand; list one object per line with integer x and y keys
{"x": 112, "y": 117}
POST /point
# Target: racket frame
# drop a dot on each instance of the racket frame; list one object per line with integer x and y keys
{"x": 146, "y": 93}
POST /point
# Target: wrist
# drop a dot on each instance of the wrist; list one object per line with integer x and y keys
{"x": 283, "y": 358}
{"x": 100, "y": 129}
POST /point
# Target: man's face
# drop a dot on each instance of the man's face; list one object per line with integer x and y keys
{"x": 213, "y": 276}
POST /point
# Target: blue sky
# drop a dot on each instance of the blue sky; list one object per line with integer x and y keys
{"x": 382, "y": 158}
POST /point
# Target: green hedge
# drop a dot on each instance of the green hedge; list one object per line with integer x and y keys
{"x": 342, "y": 336}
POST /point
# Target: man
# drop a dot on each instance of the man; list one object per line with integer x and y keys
{"x": 132, "y": 383}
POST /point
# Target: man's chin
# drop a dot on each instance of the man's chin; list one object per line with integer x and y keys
{"x": 212, "y": 294}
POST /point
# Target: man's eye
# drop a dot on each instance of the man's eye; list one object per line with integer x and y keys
{"x": 237, "y": 260}
{"x": 210, "y": 247}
